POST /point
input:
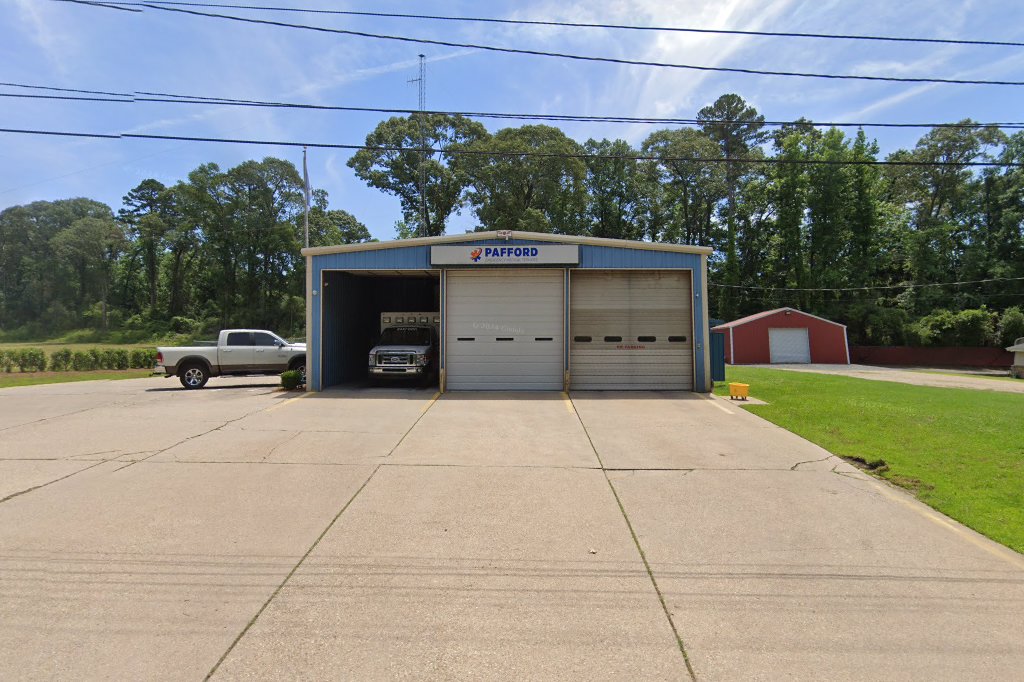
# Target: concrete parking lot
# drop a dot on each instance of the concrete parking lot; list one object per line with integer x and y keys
{"x": 241, "y": 532}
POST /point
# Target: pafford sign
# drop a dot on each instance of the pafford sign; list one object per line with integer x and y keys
{"x": 486, "y": 254}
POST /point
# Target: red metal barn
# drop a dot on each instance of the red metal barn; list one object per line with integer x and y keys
{"x": 784, "y": 336}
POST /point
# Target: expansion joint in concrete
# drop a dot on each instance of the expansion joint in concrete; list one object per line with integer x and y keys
{"x": 639, "y": 548}
{"x": 313, "y": 546}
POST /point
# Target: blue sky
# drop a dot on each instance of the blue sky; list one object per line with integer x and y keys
{"x": 65, "y": 45}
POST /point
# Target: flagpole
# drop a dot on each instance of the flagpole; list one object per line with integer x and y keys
{"x": 305, "y": 196}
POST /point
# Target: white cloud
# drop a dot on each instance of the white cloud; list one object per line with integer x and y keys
{"x": 333, "y": 64}
{"x": 45, "y": 26}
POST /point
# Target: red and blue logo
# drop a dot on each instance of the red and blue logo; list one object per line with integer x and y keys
{"x": 475, "y": 255}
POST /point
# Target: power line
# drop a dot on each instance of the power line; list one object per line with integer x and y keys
{"x": 564, "y": 55}
{"x": 172, "y": 98}
{"x": 576, "y": 24}
{"x": 524, "y": 153}
{"x": 30, "y": 86}
{"x": 871, "y": 288}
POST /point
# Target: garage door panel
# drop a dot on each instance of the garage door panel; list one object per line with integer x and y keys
{"x": 524, "y": 307}
{"x": 632, "y": 308}
{"x": 789, "y": 345}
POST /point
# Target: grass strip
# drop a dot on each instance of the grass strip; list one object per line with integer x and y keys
{"x": 960, "y": 451}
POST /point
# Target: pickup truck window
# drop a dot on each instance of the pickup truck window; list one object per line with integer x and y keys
{"x": 263, "y": 339}
{"x": 405, "y": 336}
{"x": 239, "y": 339}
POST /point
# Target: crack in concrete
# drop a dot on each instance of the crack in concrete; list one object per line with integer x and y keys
{"x": 56, "y": 480}
{"x": 198, "y": 435}
{"x": 313, "y": 546}
{"x": 811, "y": 461}
{"x": 295, "y": 434}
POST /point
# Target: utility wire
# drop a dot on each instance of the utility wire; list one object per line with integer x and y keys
{"x": 577, "y": 24}
{"x": 883, "y": 286}
{"x": 171, "y": 98}
{"x": 524, "y": 153}
{"x": 564, "y": 55}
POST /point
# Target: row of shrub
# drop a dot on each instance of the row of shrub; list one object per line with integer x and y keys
{"x": 65, "y": 360}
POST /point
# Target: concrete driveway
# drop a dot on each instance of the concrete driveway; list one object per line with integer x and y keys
{"x": 919, "y": 377}
{"x": 241, "y": 532}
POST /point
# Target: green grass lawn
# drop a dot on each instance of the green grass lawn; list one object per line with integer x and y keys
{"x": 34, "y": 378}
{"x": 959, "y": 450}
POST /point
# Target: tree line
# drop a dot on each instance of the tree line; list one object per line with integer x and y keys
{"x": 218, "y": 249}
{"x": 798, "y": 215}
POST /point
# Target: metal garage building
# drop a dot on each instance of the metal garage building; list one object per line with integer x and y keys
{"x": 784, "y": 336}
{"x": 519, "y": 310}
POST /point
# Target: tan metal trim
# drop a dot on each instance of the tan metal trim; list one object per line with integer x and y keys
{"x": 481, "y": 236}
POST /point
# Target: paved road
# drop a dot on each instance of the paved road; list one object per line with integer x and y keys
{"x": 239, "y": 532}
{"x": 909, "y": 376}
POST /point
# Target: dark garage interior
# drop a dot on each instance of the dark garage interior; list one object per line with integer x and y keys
{"x": 352, "y": 304}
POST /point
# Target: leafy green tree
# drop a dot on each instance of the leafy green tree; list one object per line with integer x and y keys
{"x": 692, "y": 187}
{"x": 329, "y": 227}
{"x": 545, "y": 192}
{"x": 1011, "y": 326}
{"x": 615, "y": 186}
{"x": 91, "y": 246}
{"x": 428, "y": 185}
{"x": 737, "y": 128}
{"x": 147, "y": 216}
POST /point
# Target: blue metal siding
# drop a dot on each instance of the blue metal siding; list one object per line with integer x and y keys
{"x": 591, "y": 256}
{"x": 615, "y": 257}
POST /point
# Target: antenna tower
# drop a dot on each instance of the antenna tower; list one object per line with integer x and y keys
{"x": 424, "y": 230}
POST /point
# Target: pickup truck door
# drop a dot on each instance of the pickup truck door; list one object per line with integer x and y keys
{"x": 236, "y": 355}
{"x": 268, "y": 356}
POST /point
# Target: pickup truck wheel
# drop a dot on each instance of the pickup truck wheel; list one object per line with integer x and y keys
{"x": 193, "y": 376}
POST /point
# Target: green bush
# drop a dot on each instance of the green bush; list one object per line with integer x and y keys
{"x": 6, "y": 361}
{"x": 60, "y": 360}
{"x": 83, "y": 361}
{"x": 124, "y": 358}
{"x": 185, "y": 325}
{"x": 142, "y": 358}
{"x": 291, "y": 379}
{"x": 30, "y": 359}
{"x": 967, "y": 328}
{"x": 974, "y": 328}
{"x": 1011, "y": 326}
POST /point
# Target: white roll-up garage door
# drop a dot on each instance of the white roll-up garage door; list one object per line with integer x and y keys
{"x": 789, "y": 346}
{"x": 631, "y": 330}
{"x": 504, "y": 329}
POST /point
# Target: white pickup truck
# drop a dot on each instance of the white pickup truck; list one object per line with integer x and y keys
{"x": 238, "y": 351}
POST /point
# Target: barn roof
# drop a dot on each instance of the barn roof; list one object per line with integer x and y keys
{"x": 767, "y": 313}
